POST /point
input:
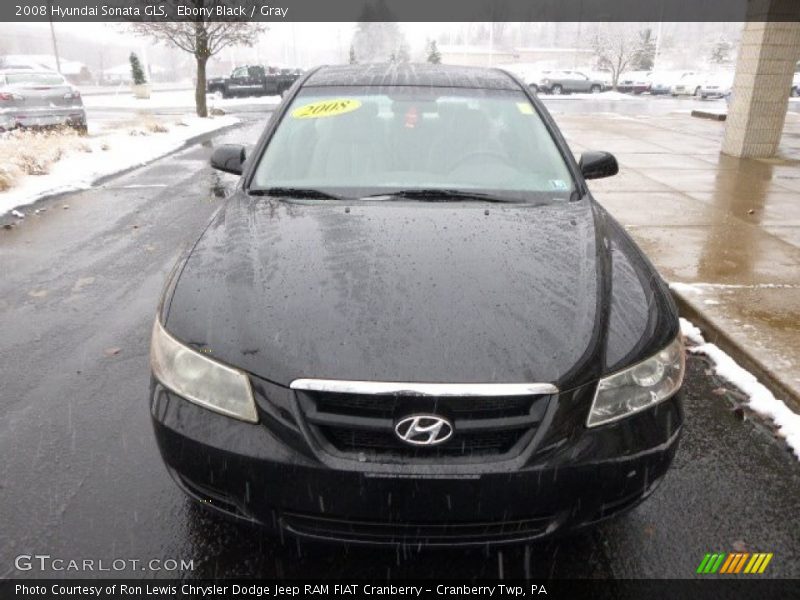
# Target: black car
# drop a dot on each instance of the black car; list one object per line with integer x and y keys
{"x": 412, "y": 323}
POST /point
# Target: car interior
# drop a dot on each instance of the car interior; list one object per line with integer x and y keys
{"x": 485, "y": 142}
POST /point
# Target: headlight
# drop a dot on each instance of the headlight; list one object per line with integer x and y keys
{"x": 638, "y": 387}
{"x": 200, "y": 379}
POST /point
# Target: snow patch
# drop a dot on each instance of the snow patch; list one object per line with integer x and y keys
{"x": 109, "y": 153}
{"x": 760, "y": 399}
{"x": 610, "y": 95}
{"x": 685, "y": 287}
{"x": 691, "y": 332}
{"x": 183, "y": 99}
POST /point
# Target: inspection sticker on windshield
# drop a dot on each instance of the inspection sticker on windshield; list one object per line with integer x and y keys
{"x": 558, "y": 184}
{"x": 525, "y": 108}
{"x": 326, "y": 108}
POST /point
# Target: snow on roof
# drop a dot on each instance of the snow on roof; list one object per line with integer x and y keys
{"x": 551, "y": 49}
{"x": 43, "y": 61}
{"x": 470, "y": 49}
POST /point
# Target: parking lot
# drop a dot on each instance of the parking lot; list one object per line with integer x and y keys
{"x": 82, "y": 475}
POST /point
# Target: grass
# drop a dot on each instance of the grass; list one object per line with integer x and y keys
{"x": 28, "y": 152}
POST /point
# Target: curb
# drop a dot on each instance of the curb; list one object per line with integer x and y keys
{"x": 707, "y": 114}
{"x": 197, "y": 139}
{"x": 717, "y": 335}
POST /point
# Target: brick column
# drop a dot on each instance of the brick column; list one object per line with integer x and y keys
{"x": 769, "y": 50}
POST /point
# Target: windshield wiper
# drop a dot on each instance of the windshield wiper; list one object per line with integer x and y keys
{"x": 292, "y": 192}
{"x": 442, "y": 195}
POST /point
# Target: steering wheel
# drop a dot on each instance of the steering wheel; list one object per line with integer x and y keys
{"x": 478, "y": 154}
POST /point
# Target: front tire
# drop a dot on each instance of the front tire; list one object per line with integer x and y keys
{"x": 556, "y": 90}
{"x": 534, "y": 88}
{"x": 596, "y": 89}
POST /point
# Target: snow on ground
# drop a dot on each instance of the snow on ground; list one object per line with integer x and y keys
{"x": 79, "y": 162}
{"x": 183, "y": 99}
{"x": 610, "y": 95}
{"x": 760, "y": 399}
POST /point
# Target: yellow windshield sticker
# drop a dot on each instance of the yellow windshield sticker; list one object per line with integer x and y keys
{"x": 326, "y": 108}
{"x": 525, "y": 108}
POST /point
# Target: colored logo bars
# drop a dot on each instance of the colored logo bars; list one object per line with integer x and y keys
{"x": 737, "y": 562}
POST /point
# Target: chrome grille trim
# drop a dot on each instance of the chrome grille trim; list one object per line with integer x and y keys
{"x": 423, "y": 389}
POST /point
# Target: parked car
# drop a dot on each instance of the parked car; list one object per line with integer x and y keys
{"x": 253, "y": 80}
{"x": 603, "y": 76}
{"x": 565, "y": 82}
{"x": 401, "y": 327}
{"x": 634, "y": 82}
{"x": 716, "y": 85}
{"x": 796, "y": 85}
{"x": 661, "y": 82}
{"x": 688, "y": 85}
{"x": 31, "y": 98}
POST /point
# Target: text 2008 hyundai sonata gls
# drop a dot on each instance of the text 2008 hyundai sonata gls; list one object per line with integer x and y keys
{"x": 411, "y": 323}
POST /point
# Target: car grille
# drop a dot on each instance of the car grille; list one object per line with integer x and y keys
{"x": 430, "y": 534}
{"x": 361, "y": 426}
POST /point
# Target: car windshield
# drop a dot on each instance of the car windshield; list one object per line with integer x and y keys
{"x": 35, "y": 78}
{"x": 356, "y": 142}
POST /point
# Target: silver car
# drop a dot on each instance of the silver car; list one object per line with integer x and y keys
{"x": 30, "y": 98}
{"x": 565, "y": 82}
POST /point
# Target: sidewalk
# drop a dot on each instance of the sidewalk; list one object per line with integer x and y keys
{"x": 724, "y": 232}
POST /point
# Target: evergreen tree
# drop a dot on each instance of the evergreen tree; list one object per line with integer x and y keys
{"x": 434, "y": 56}
{"x": 137, "y": 73}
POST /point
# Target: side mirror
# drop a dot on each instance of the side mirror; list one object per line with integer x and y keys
{"x": 229, "y": 158}
{"x": 596, "y": 165}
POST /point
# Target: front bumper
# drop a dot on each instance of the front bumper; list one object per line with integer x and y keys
{"x": 632, "y": 88}
{"x": 572, "y": 477}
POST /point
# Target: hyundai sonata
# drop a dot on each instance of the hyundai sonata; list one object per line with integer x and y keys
{"x": 412, "y": 323}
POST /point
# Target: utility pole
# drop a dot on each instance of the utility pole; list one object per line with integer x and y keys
{"x": 491, "y": 43}
{"x": 53, "y": 37}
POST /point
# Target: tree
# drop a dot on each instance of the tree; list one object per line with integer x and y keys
{"x": 201, "y": 38}
{"x": 616, "y": 48}
{"x": 721, "y": 50}
{"x": 645, "y": 55}
{"x": 434, "y": 56}
{"x": 378, "y": 38}
{"x": 403, "y": 52}
{"x": 137, "y": 74}
{"x": 353, "y": 59}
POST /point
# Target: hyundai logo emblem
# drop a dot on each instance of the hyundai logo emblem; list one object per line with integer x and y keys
{"x": 424, "y": 430}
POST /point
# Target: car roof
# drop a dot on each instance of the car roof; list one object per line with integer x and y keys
{"x": 412, "y": 74}
{"x": 15, "y": 71}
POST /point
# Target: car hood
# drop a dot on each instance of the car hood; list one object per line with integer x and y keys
{"x": 398, "y": 291}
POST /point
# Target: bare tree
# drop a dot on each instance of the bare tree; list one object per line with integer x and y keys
{"x": 201, "y": 37}
{"x": 617, "y": 47}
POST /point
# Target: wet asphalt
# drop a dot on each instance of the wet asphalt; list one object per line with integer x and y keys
{"x": 81, "y": 476}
